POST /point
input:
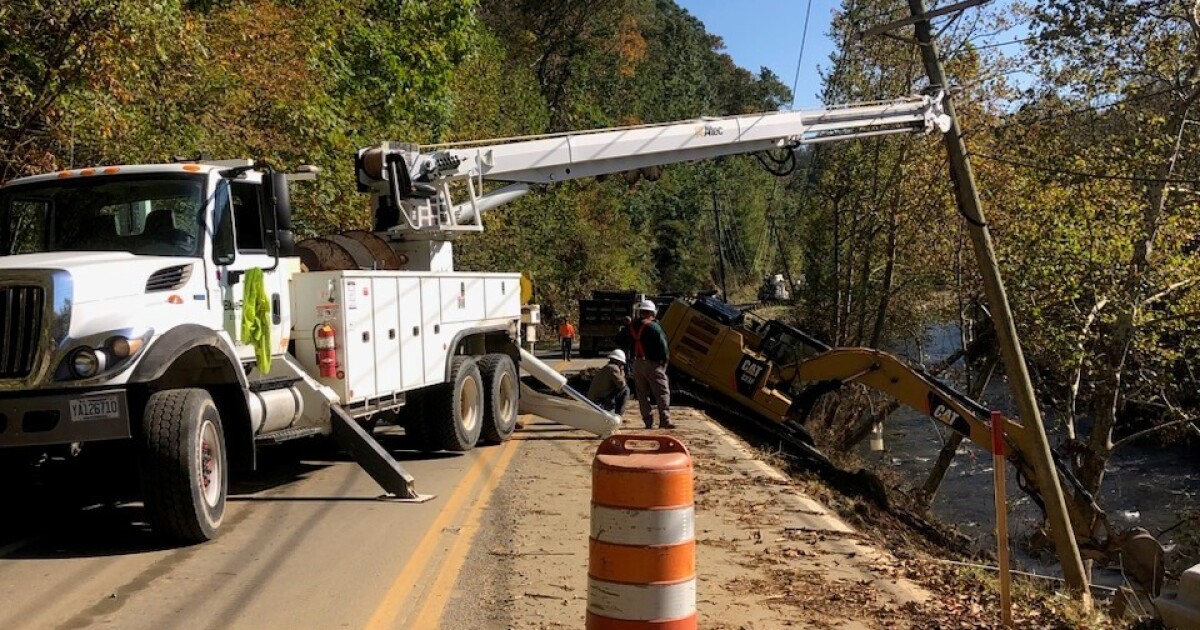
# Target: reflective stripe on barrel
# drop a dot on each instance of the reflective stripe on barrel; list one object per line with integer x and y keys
{"x": 642, "y": 552}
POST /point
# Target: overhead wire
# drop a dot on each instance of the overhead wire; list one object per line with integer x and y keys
{"x": 1024, "y": 40}
{"x": 1078, "y": 111}
{"x": 800, "y": 60}
{"x": 1084, "y": 174}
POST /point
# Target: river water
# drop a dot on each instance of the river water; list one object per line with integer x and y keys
{"x": 1143, "y": 487}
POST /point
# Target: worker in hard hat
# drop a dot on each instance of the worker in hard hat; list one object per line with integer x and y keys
{"x": 608, "y": 389}
{"x": 650, "y": 357}
{"x": 566, "y": 335}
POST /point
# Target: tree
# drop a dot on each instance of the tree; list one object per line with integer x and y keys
{"x": 1117, "y": 327}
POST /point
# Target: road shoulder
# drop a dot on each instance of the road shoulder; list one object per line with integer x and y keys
{"x": 768, "y": 556}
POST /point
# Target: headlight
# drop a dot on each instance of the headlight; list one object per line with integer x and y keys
{"x": 93, "y": 355}
{"x": 123, "y": 347}
{"x": 86, "y": 362}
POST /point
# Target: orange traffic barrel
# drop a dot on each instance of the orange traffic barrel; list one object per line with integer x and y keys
{"x": 642, "y": 552}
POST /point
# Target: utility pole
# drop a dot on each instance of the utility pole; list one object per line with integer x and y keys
{"x": 1006, "y": 331}
{"x": 720, "y": 245}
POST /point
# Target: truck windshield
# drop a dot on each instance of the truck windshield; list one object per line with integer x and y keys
{"x": 154, "y": 215}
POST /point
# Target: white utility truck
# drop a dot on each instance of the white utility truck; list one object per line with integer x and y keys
{"x": 123, "y": 291}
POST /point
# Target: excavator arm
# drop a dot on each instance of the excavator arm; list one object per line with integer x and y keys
{"x": 833, "y": 368}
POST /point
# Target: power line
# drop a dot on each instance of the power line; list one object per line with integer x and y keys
{"x": 803, "y": 40}
{"x": 1082, "y": 110}
{"x": 1085, "y": 174}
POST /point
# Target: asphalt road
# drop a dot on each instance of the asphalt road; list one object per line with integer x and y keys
{"x": 307, "y": 542}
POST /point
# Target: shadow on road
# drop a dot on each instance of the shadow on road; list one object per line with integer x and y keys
{"x": 79, "y": 512}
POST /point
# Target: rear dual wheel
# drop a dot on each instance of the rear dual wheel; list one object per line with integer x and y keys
{"x": 448, "y": 417}
{"x": 478, "y": 404}
{"x": 502, "y": 388}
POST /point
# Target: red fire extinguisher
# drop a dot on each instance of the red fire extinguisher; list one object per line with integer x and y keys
{"x": 325, "y": 340}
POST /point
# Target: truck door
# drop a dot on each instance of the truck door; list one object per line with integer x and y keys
{"x": 248, "y": 210}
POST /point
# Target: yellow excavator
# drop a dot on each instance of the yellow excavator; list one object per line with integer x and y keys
{"x": 777, "y": 373}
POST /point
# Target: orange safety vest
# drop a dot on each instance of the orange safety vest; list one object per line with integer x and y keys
{"x": 566, "y": 331}
{"x": 639, "y": 351}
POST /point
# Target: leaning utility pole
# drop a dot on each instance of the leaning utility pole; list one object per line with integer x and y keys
{"x": 1006, "y": 331}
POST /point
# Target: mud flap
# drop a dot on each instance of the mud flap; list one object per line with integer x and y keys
{"x": 374, "y": 459}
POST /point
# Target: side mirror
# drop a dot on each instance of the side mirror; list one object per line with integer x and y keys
{"x": 281, "y": 239}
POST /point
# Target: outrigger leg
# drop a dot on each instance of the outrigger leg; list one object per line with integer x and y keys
{"x": 374, "y": 459}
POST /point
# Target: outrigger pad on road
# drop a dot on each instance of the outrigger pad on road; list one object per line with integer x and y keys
{"x": 374, "y": 459}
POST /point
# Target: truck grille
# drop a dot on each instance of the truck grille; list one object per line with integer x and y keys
{"x": 20, "y": 329}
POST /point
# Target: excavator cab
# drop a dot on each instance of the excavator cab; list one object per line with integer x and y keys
{"x": 786, "y": 345}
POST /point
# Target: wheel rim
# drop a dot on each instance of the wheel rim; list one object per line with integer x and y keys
{"x": 209, "y": 462}
{"x": 468, "y": 405}
{"x": 508, "y": 401}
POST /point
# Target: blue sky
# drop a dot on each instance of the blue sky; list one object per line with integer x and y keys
{"x": 767, "y": 33}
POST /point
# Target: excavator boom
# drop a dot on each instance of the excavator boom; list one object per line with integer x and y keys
{"x": 778, "y": 373}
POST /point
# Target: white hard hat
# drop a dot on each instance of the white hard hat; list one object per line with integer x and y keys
{"x": 617, "y": 355}
{"x": 647, "y": 305}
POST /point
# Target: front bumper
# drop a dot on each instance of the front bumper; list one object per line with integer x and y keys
{"x": 45, "y": 419}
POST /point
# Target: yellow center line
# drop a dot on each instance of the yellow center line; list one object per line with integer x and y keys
{"x": 429, "y": 615}
{"x": 402, "y": 586}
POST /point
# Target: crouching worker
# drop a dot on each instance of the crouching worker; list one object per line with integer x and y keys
{"x": 608, "y": 389}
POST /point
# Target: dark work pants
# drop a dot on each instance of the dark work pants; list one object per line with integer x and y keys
{"x": 618, "y": 402}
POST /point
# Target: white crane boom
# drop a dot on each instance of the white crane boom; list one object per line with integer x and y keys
{"x": 411, "y": 185}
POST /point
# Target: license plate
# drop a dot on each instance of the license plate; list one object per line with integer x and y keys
{"x": 95, "y": 408}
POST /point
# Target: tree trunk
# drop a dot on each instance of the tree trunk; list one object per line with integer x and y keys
{"x": 889, "y": 273}
{"x": 1118, "y": 341}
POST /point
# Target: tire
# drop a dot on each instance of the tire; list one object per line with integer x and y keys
{"x": 416, "y": 423}
{"x": 502, "y": 393}
{"x": 184, "y": 470}
{"x": 454, "y": 410}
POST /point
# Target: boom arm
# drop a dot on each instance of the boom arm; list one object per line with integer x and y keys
{"x": 412, "y": 190}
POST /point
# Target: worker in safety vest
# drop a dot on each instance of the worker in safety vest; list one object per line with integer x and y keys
{"x": 650, "y": 357}
{"x": 566, "y": 334}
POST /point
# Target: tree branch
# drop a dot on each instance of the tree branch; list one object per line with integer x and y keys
{"x": 1183, "y": 284}
{"x": 1144, "y": 432}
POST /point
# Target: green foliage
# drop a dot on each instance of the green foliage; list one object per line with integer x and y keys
{"x": 299, "y": 81}
{"x": 286, "y": 82}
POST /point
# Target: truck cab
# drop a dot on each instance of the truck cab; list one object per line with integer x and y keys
{"x": 118, "y": 283}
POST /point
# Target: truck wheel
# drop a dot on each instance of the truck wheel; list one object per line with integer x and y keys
{"x": 454, "y": 410}
{"x": 416, "y": 424}
{"x": 501, "y": 397}
{"x": 183, "y": 465}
